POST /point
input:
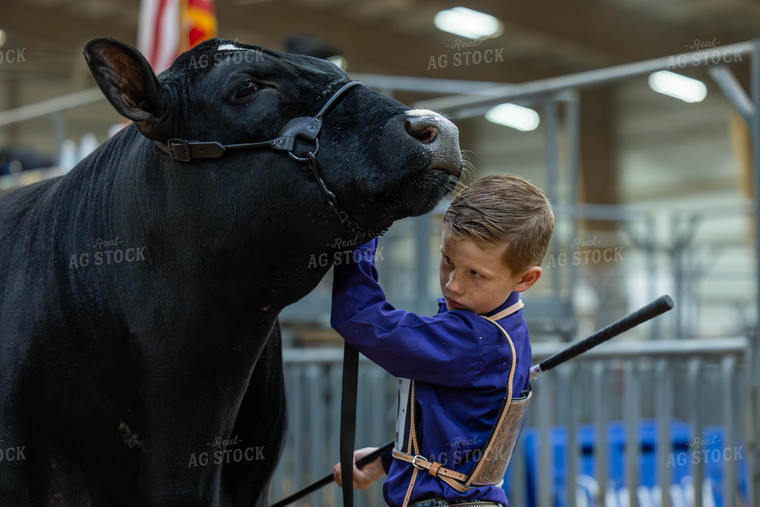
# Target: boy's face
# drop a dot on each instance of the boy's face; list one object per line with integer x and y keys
{"x": 476, "y": 278}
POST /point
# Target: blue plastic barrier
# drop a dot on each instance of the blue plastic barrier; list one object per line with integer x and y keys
{"x": 709, "y": 451}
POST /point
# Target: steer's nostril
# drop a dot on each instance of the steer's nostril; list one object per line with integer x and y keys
{"x": 428, "y": 135}
{"x": 421, "y": 129}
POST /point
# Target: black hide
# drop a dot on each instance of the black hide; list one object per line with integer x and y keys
{"x": 139, "y": 295}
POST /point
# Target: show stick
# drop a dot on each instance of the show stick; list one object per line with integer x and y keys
{"x": 327, "y": 479}
{"x": 657, "y": 307}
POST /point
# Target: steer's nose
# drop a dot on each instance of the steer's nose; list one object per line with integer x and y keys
{"x": 437, "y": 134}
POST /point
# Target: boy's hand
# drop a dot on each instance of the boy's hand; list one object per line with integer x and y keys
{"x": 365, "y": 476}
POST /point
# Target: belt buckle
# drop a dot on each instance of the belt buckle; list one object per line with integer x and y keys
{"x": 180, "y": 144}
{"x": 421, "y": 457}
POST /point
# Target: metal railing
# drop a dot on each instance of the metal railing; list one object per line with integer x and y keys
{"x": 698, "y": 383}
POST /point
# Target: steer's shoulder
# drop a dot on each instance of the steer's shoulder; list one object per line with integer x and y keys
{"x": 20, "y": 199}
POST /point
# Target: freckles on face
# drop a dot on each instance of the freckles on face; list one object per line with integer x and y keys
{"x": 473, "y": 277}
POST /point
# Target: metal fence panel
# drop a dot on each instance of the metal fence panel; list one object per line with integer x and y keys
{"x": 700, "y": 383}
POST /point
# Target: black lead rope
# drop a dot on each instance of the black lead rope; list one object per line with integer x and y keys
{"x": 348, "y": 421}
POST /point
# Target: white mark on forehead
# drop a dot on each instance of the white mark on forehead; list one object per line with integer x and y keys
{"x": 229, "y": 47}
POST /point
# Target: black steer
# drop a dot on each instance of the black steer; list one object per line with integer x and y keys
{"x": 140, "y": 358}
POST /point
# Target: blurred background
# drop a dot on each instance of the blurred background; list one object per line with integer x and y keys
{"x": 635, "y": 118}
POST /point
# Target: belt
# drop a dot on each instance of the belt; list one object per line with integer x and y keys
{"x": 450, "y": 477}
{"x": 437, "y": 502}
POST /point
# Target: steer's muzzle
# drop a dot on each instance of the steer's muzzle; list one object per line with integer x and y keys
{"x": 438, "y": 135}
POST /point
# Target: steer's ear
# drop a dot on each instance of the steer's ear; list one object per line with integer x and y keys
{"x": 128, "y": 82}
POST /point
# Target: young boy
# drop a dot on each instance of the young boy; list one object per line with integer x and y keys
{"x": 454, "y": 365}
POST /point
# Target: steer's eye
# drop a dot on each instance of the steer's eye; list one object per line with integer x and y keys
{"x": 246, "y": 91}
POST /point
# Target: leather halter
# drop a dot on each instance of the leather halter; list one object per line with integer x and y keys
{"x": 306, "y": 128}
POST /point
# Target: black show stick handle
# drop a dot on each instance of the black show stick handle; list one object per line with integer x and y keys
{"x": 327, "y": 479}
{"x": 374, "y": 455}
{"x": 657, "y": 307}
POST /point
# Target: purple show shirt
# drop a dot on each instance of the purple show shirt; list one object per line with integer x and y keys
{"x": 459, "y": 363}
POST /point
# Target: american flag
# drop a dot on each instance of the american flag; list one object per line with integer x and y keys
{"x": 169, "y": 27}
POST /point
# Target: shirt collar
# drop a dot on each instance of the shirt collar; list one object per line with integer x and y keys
{"x": 513, "y": 298}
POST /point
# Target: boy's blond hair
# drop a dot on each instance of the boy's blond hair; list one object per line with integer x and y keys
{"x": 504, "y": 209}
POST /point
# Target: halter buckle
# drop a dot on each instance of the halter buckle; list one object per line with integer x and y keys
{"x": 420, "y": 457}
{"x": 176, "y": 147}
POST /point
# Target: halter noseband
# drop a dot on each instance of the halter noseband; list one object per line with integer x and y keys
{"x": 304, "y": 127}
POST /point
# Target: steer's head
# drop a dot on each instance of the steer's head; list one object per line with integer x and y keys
{"x": 381, "y": 160}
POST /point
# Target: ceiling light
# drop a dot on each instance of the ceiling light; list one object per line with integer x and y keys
{"x": 678, "y": 86}
{"x": 512, "y": 115}
{"x": 468, "y": 23}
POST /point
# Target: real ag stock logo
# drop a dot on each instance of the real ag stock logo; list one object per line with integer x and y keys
{"x": 12, "y": 55}
{"x": 106, "y": 252}
{"x": 705, "y": 52}
{"x": 323, "y": 260}
{"x": 9, "y": 453}
{"x": 464, "y": 55}
{"x": 705, "y": 451}
{"x": 226, "y": 451}
{"x": 221, "y": 59}
{"x": 581, "y": 251}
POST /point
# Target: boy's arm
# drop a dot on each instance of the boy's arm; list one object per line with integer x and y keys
{"x": 442, "y": 349}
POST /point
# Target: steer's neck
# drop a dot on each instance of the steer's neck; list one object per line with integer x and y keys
{"x": 252, "y": 239}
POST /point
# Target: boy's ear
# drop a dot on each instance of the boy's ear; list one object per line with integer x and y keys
{"x": 529, "y": 277}
{"x": 129, "y": 84}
